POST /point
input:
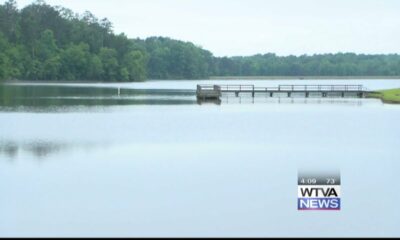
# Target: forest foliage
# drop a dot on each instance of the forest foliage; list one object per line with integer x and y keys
{"x": 44, "y": 42}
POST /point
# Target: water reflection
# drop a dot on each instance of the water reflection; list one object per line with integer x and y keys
{"x": 299, "y": 100}
{"x": 9, "y": 149}
{"x": 40, "y": 149}
{"x": 67, "y": 98}
{"x": 209, "y": 101}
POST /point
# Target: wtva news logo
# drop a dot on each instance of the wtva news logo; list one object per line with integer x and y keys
{"x": 319, "y": 191}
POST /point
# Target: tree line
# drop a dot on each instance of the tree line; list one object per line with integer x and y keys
{"x": 340, "y": 64}
{"x": 43, "y": 42}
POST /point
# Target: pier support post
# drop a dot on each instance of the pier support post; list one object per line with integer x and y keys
{"x": 271, "y": 94}
{"x": 307, "y": 94}
{"x": 289, "y": 94}
{"x": 237, "y": 94}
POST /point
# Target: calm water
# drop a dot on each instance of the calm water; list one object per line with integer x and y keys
{"x": 79, "y": 160}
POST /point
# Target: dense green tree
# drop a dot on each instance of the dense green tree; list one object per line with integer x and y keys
{"x": 135, "y": 65}
{"x": 95, "y": 68}
{"x": 43, "y": 42}
{"x": 17, "y": 59}
{"x": 4, "y": 66}
{"x": 341, "y": 64}
{"x": 48, "y": 55}
{"x": 75, "y": 61}
{"x": 4, "y": 61}
{"x": 176, "y": 59}
{"x": 109, "y": 60}
{"x": 9, "y": 20}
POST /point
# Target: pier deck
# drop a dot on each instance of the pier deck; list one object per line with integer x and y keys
{"x": 215, "y": 91}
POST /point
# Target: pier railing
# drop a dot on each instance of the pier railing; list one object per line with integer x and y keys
{"x": 321, "y": 88}
{"x": 215, "y": 91}
{"x": 292, "y": 88}
{"x": 201, "y": 88}
{"x": 235, "y": 88}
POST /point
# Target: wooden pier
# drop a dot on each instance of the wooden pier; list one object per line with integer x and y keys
{"x": 208, "y": 92}
{"x": 205, "y": 92}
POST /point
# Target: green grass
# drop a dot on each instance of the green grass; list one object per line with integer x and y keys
{"x": 387, "y": 96}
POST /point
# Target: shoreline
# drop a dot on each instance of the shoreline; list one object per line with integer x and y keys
{"x": 391, "y": 96}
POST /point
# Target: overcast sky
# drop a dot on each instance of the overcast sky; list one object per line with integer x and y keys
{"x": 246, "y": 27}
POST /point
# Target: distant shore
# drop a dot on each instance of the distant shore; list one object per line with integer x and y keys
{"x": 302, "y": 77}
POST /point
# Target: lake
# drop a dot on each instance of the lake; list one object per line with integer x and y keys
{"x": 79, "y": 160}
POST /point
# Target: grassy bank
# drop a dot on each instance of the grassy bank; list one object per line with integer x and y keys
{"x": 300, "y": 77}
{"x": 387, "y": 96}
